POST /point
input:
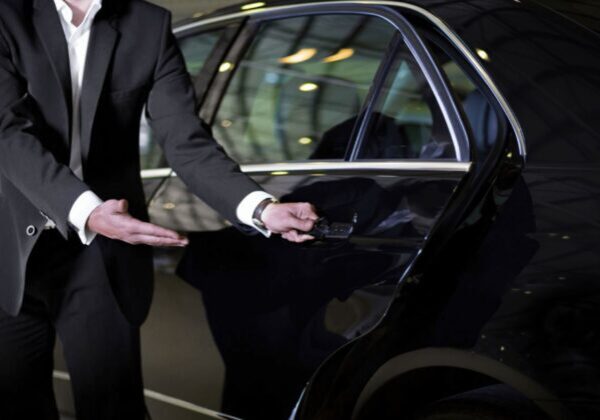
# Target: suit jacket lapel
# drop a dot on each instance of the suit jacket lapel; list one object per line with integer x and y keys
{"x": 50, "y": 31}
{"x": 103, "y": 39}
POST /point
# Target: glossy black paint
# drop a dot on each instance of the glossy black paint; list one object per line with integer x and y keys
{"x": 293, "y": 306}
{"x": 451, "y": 282}
{"x": 523, "y": 287}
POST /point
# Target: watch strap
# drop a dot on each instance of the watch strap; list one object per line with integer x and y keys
{"x": 260, "y": 208}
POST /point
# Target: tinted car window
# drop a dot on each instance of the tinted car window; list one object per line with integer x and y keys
{"x": 196, "y": 50}
{"x": 301, "y": 84}
{"x": 481, "y": 115}
{"x": 407, "y": 122}
{"x": 487, "y": 128}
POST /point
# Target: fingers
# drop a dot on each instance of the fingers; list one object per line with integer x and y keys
{"x": 294, "y": 236}
{"x": 308, "y": 211}
{"x": 149, "y": 234}
{"x": 156, "y": 241}
{"x": 295, "y": 223}
{"x": 279, "y": 218}
{"x": 137, "y": 227}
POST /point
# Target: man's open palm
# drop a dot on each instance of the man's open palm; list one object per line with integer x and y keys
{"x": 113, "y": 220}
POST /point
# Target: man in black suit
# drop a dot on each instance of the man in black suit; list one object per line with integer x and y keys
{"x": 75, "y": 259}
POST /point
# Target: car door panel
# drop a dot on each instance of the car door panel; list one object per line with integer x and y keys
{"x": 276, "y": 307}
{"x": 277, "y": 310}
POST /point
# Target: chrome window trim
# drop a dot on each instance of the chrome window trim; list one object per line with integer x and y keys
{"x": 341, "y": 166}
{"x": 455, "y": 39}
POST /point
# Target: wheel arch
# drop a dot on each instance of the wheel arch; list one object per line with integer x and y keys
{"x": 465, "y": 363}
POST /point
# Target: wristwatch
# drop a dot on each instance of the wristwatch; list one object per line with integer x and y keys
{"x": 258, "y": 211}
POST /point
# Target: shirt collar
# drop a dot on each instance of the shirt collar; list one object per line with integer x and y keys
{"x": 67, "y": 14}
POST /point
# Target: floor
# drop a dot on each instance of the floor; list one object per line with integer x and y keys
{"x": 179, "y": 357}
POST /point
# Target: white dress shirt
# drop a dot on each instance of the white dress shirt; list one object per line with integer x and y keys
{"x": 77, "y": 40}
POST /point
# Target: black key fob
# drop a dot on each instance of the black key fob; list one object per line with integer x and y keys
{"x": 320, "y": 229}
{"x": 324, "y": 230}
{"x": 340, "y": 231}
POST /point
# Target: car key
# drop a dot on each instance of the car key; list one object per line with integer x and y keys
{"x": 324, "y": 230}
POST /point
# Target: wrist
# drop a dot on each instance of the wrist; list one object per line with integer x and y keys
{"x": 80, "y": 214}
{"x": 259, "y": 211}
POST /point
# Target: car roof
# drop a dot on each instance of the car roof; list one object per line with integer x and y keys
{"x": 584, "y": 12}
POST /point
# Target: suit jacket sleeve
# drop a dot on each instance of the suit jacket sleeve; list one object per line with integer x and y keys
{"x": 48, "y": 185}
{"x": 190, "y": 150}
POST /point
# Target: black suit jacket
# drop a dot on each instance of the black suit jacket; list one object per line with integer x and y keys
{"x": 132, "y": 61}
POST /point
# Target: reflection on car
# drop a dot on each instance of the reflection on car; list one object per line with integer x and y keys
{"x": 463, "y": 140}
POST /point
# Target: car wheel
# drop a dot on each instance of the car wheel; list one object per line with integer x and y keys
{"x": 496, "y": 402}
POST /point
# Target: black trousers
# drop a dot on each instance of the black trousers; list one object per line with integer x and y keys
{"x": 67, "y": 292}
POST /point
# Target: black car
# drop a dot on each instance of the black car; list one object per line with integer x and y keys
{"x": 457, "y": 146}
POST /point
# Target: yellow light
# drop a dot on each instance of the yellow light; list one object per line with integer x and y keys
{"x": 198, "y": 14}
{"x": 342, "y": 54}
{"x": 482, "y": 54}
{"x": 226, "y": 66}
{"x": 279, "y": 173}
{"x": 308, "y": 87}
{"x": 305, "y": 141}
{"x": 226, "y": 123}
{"x": 256, "y": 5}
{"x": 300, "y": 56}
{"x": 169, "y": 206}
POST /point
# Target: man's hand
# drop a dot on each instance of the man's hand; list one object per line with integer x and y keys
{"x": 112, "y": 220}
{"x": 290, "y": 220}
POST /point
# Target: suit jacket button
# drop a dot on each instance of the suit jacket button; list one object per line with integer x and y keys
{"x": 31, "y": 230}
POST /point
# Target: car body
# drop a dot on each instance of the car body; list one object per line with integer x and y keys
{"x": 465, "y": 138}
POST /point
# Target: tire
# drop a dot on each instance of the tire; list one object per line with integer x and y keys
{"x": 496, "y": 402}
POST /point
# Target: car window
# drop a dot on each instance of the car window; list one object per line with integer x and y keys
{"x": 196, "y": 49}
{"x": 482, "y": 116}
{"x": 484, "y": 120}
{"x": 296, "y": 93}
{"x": 407, "y": 121}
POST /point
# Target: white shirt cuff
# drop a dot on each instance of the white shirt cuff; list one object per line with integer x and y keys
{"x": 246, "y": 208}
{"x": 80, "y": 212}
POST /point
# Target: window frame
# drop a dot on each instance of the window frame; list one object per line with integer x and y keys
{"x": 434, "y": 35}
{"x": 405, "y": 33}
{"x": 390, "y": 10}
